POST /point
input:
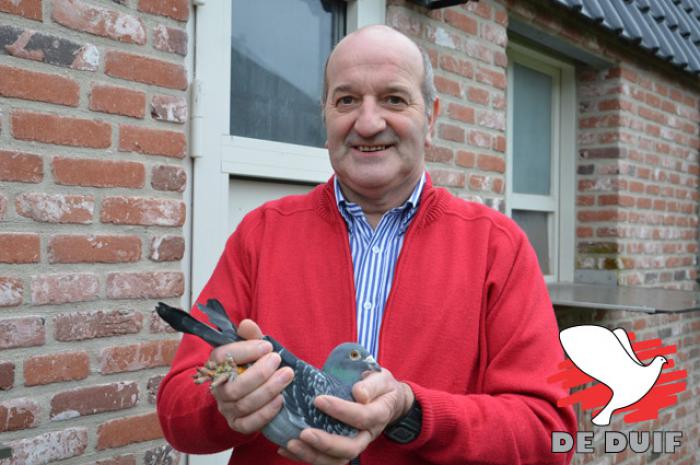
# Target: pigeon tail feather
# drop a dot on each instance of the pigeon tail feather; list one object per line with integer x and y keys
{"x": 218, "y": 316}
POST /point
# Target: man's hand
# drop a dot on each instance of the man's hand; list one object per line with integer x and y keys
{"x": 380, "y": 400}
{"x": 253, "y": 398}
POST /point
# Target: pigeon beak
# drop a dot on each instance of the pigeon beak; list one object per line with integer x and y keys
{"x": 372, "y": 363}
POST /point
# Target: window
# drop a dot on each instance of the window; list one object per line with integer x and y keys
{"x": 541, "y": 147}
{"x": 276, "y": 81}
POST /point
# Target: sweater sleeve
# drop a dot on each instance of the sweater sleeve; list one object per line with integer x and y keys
{"x": 511, "y": 419}
{"x": 188, "y": 413}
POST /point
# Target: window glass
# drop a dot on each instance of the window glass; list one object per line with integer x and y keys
{"x": 278, "y": 51}
{"x": 536, "y": 226}
{"x": 532, "y": 131}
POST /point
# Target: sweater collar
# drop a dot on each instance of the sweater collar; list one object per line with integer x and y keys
{"x": 433, "y": 203}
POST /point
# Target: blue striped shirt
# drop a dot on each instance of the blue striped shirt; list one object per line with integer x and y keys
{"x": 374, "y": 256}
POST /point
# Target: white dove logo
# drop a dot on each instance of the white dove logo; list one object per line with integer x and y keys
{"x": 607, "y": 356}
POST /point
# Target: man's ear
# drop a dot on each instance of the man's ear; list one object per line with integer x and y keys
{"x": 431, "y": 123}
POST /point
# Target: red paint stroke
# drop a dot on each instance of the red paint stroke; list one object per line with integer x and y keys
{"x": 663, "y": 394}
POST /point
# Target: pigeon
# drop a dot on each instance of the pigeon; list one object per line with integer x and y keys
{"x": 607, "y": 356}
{"x": 344, "y": 367}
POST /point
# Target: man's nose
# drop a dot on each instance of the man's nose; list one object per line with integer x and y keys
{"x": 369, "y": 120}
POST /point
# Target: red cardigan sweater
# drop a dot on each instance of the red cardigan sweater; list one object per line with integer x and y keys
{"x": 468, "y": 324}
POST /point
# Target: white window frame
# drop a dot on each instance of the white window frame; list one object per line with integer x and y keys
{"x": 561, "y": 204}
{"x": 218, "y": 155}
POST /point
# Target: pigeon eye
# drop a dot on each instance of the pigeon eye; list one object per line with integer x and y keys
{"x": 355, "y": 355}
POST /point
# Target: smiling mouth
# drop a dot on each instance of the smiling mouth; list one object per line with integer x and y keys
{"x": 371, "y": 148}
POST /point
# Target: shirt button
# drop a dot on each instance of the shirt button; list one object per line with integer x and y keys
{"x": 376, "y": 249}
{"x": 367, "y": 305}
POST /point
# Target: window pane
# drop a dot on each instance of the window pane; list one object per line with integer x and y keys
{"x": 532, "y": 130}
{"x": 278, "y": 50}
{"x": 535, "y": 225}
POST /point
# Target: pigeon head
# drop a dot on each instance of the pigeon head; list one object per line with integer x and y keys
{"x": 348, "y": 361}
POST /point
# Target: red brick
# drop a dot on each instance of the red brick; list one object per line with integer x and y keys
{"x": 438, "y": 154}
{"x": 170, "y": 39}
{"x": 124, "y": 431}
{"x": 21, "y": 167}
{"x": 145, "y": 70}
{"x": 76, "y": 248}
{"x": 49, "y": 447}
{"x": 64, "y": 288}
{"x": 163, "y": 249}
{"x": 113, "y": 24}
{"x": 478, "y": 182}
{"x": 584, "y": 232}
{"x": 448, "y": 86}
{"x": 494, "y": 34}
{"x": 78, "y": 326}
{"x": 58, "y": 367}
{"x": 145, "y": 285}
{"x": 11, "y": 291}
{"x": 98, "y": 173}
{"x": 455, "y": 65}
{"x": 448, "y": 178}
{"x": 491, "y": 77}
{"x": 152, "y": 141}
{"x": 466, "y": 159}
{"x": 479, "y": 139}
{"x": 19, "y": 248}
{"x": 499, "y": 144}
{"x": 460, "y": 21}
{"x": 136, "y": 357}
{"x": 30, "y": 9}
{"x": 118, "y": 101}
{"x": 502, "y": 17}
{"x": 16, "y": 414}
{"x": 450, "y": 132}
{"x": 169, "y": 108}
{"x": 168, "y": 178}
{"x": 143, "y": 211}
{"x": 491, "y": 119}
{"x": 476, "y": 95}
{"x": 22, "y": 332}
{"x": 175, "y": 9}
{"x": 480, "y": 9}
{"x": 40, "y": 87}
{"x": 61, "y": 130}
{"x": 94, "y": 399}
{"x": 498, "y": 185}
{"x": 7, "y": 376}
{"x": 56, "y": 208}
{"x": 491, "y": 163}
{"x": 603, "y": 153}
{"x": 461, "y": 113}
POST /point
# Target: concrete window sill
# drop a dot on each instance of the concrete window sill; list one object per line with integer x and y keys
{"x": 634, "y": 299}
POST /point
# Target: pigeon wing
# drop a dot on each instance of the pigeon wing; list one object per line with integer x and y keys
{"x": 185, "y": 323}
{"x": 621, "y": 335}
{"x": 299, "y": 396}
{"x": 218, "y": 316}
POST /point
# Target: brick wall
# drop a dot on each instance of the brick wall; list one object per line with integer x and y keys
{"x": 93, "y": 106}
{"x": 467, "y": 47}
{"x": 637, "y": 170}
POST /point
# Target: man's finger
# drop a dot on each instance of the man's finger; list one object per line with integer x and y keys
{"x": 248, "y": 329}
{"x": 262, "y": 395}
{"x": 251, "y": 379}
{"x": 243, "y": 352}
{"x": 334, "y": 445}
{"x": 372, "y": 386}
{"x": 360, "y": 416}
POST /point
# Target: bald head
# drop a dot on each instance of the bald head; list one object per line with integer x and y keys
{"x": 381, "y": 36}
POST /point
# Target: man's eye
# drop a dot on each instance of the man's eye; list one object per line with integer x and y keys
{"x": 395, "y": 100}
{"x": 346, "y": 100}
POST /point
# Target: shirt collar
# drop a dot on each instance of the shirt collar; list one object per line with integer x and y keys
{"x": 351, "y": 212}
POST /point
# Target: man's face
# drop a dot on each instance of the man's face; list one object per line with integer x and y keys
{"x": 375, "y": 115}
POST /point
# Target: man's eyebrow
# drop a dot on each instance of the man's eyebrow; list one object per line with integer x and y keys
{"x": 341, "y": 88}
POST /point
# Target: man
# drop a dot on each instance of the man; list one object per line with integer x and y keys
{"x": 461, "y": 321}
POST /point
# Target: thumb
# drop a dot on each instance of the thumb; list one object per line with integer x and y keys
{"x": 248, "y": 329}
